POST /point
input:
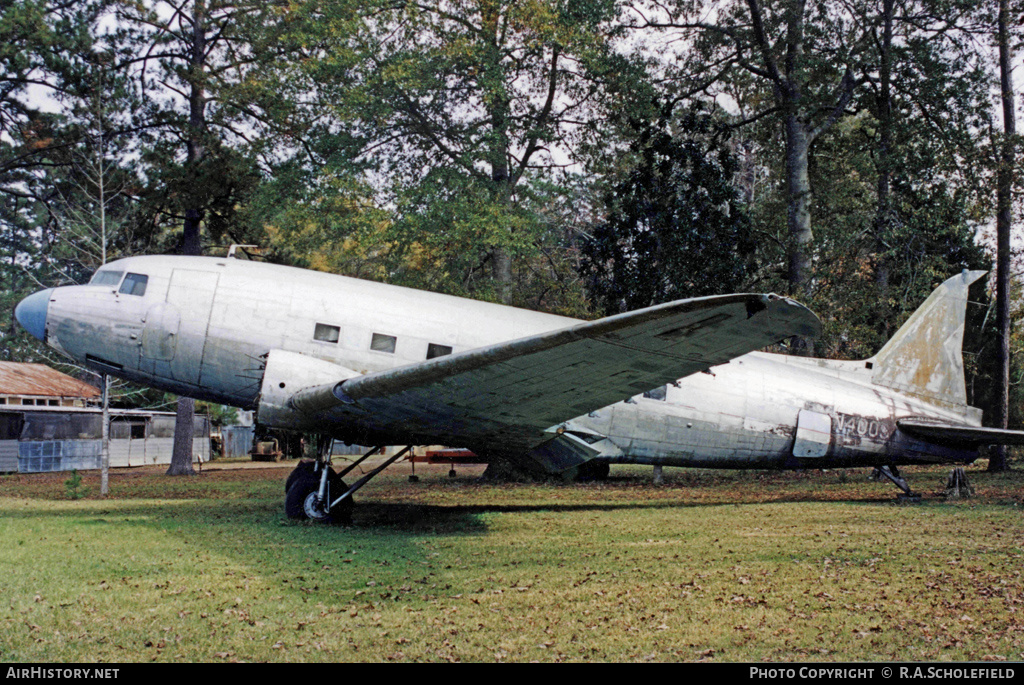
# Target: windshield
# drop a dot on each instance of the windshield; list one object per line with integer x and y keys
{"x": 134, "y": 284}
{"x": 106, "y": 277}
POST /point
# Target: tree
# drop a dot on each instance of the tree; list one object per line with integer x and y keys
{"x": 42, "y": 47}
{"x": 928, "y": 97}
{"x": 810, "y": 59}
{"x": 1004, "y": 219}
{"x": 91, "y": 199}
{"x": 447, "y": 124}
{"x": 43, "y": 44}
{"x": 189, "y": 56}
{"x": 880, "y": 102}
{"x": 675, "y": 226}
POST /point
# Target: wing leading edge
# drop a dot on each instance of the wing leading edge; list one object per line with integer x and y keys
{"x": 505, "y": 396}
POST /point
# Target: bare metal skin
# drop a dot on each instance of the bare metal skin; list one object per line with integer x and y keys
{"x": 376, "y": 364}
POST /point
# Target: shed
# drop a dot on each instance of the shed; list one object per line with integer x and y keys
{"x": 23, "y": 384}
{"x": 36, "y": 438}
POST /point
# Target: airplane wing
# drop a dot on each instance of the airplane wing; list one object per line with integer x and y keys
{"x": 955, "y": 435}
{"x": 505, "y": 396}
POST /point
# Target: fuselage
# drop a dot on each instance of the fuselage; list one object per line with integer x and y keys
{"x": 203, "y": 327}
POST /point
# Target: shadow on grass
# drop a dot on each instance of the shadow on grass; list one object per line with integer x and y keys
{"x": 417, "y": 517}
{"x": 193, "y": 517}
{"x": 465, "y": 519}
{"x": 261, "y": 507}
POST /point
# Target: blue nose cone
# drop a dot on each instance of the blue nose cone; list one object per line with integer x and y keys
{"x": 31, "y": 313}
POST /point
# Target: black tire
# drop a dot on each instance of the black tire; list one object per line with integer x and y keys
{"x": 305, "y": 484}
{"x": 303, "y": 467}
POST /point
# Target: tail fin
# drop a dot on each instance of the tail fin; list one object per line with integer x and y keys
{"x": 924, "y": 358}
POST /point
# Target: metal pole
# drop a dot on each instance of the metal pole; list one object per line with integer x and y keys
{"x": 105, "y": 437}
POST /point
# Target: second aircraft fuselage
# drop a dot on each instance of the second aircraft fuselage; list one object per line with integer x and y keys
{"x": 202, "y": 327}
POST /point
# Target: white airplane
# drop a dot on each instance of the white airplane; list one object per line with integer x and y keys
{"x": 678, "y": 384}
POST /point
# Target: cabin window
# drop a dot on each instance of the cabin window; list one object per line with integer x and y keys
{"x": 383, "y": 343}
{"x": 657, "y": 394}
{"x": 326, "y": 333}
{"x": 134, "y": 284}
{"x": 106, "y": 277}
{"x": 435, "y": 350}
{"x": 163, "y": 426}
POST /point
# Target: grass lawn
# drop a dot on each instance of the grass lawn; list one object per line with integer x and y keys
{"x": 720, "y": 566}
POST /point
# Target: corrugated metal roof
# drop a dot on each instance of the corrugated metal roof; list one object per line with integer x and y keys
{"x": 17, "y": 378}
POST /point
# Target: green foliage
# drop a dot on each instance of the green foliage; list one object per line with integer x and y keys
{"x": 931, "y": 237}
{"x": 46, "y": 49}
{"x": 205, "y": 121}
{"x": 447, "y": 183}
{"x": 675, "y": 226}
{"x": 73, "y": 486}
{"x": 507, "y": 151}
{"x": 220, "y": 414}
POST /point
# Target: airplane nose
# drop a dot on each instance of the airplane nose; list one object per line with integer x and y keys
{"x": 31, "y": 313}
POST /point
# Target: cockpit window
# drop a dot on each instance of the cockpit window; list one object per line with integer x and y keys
{"x": 134, "y": 284}
{"x": 106, "y": 277}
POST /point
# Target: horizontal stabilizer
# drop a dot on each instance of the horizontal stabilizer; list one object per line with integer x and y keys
{"x": 950, "y": 434}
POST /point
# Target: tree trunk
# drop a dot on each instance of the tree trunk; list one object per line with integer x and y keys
{"x": 499, "y": 109}
{"x": 181, "y": 451}
{"x": 798, "y": 186}
{"x": 181, "y": 454}
{"x": 1004, "y": 187}
{"x": 883, "y": 214}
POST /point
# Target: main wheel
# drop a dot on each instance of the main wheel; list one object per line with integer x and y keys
{"x": 306, "y": 466}
{"x": 302, "y": 499}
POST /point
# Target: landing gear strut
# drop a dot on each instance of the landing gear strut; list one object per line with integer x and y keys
{"x": 314, "y": 491}
{"x": 893, "y": 474}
